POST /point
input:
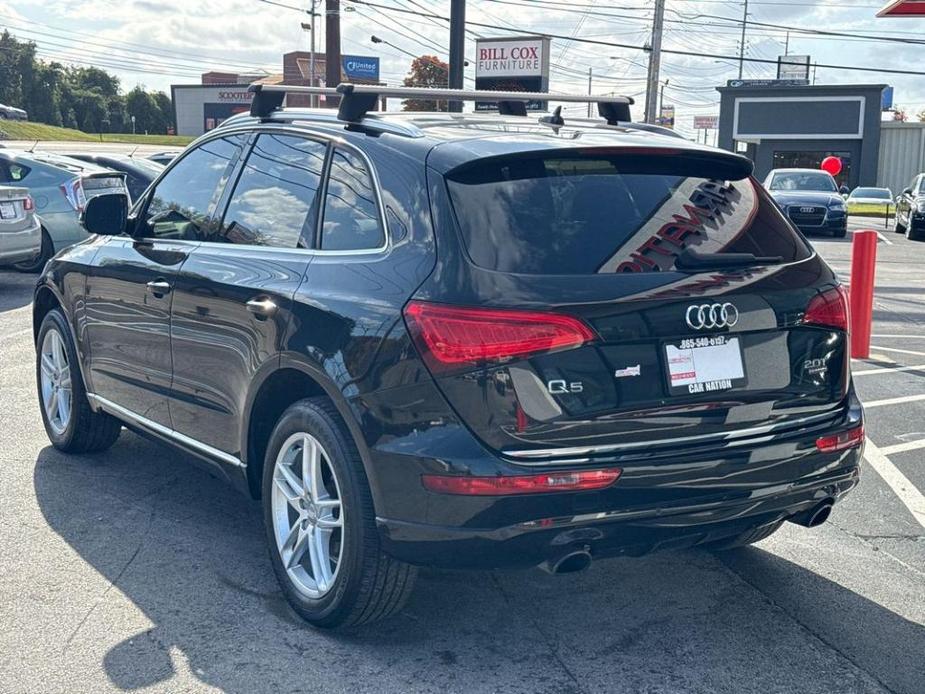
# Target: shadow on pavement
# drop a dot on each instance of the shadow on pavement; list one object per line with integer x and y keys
{"x": 189, "y": 553}
{"x": 15, "y": 289}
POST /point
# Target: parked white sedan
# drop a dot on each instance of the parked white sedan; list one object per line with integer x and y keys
{"x": 20, "y": 229}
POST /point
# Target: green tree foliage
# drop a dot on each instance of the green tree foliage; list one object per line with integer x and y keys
{"x": 86, "y": 98}
{"x": 426, "y": 71}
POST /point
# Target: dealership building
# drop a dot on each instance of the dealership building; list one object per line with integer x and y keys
{"x": 201, "y": 107}
{"x": 790, "y": 123}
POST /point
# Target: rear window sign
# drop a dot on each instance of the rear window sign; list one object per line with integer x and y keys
{"x": 704, "y": 214}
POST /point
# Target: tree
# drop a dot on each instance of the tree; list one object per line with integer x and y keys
{"x": 426, "y": 71}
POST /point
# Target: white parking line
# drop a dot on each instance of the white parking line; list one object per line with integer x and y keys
{"x": 905, "y": 337}
{"x": 896, "y": 349}
{"x": 894, "y": 401}
{"x": 907, "y": 492}
{"x": 887, "y": 370}
{"x": 903, "y": 447}
{"x": 884, "y": 239}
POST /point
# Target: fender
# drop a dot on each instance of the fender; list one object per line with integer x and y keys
{"x": 311, "y": 368}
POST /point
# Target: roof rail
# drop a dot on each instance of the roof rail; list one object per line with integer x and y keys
{"x": 358, "y": 99}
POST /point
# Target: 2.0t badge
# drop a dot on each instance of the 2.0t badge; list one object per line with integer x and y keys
{"x": 708, "y": 316}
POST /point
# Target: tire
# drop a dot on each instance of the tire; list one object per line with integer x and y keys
{"x": 361, "y": 583}
{"x": 840, "y": 233}
{"x": 37, "y": 264}
{"x": 82, "y": 430}
{"x": 898, "y": 228}
{"x": 749, "y": 537}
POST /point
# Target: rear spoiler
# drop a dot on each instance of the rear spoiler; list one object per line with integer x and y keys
{"x": 690, "y": 160}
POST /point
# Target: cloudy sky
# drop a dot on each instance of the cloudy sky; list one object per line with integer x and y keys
{"x": 161, "y": 42}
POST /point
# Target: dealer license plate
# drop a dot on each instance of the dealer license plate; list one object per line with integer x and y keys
{"x": 704, "y": 365}
{"x": 7, "y": 210}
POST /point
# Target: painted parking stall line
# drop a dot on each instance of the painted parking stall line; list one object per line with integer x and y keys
{"x": 893, "y": 401}
{"x": 888, "y": 370}
{"x": 907, "y": 492}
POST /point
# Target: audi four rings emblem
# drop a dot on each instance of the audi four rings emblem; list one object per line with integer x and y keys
{"x": 708, "y": 316}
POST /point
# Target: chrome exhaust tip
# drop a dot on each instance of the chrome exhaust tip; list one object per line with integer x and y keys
{"x": 568, "y": 563}
{"x": 815, "y": 516}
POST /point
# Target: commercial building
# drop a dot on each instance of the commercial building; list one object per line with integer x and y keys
{"x": 787, "y": 123}
{"x": 200, "y": 107}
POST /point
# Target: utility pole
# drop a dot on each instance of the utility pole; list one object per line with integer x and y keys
{"x": 332, "y": 50}
{"x": 655, "y": 59}
{"x": 457, "y": 49}
{"x": 313, "y": 99}
{"x": 589, "y": 90}
{"x": 742, "y": 42}
{"x": 787, "y": 44}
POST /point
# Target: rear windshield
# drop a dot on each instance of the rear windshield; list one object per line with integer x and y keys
{"x": 587, "y": 215}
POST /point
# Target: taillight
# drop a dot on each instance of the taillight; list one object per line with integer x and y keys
{"x": 451, "y": 336}
{"x": 580, "y": 480}
{"x": 829, "y": 309}
{"x": 74, "y": 192}
{"x": 840, "y": 442}
{"x": 28, "y": 204}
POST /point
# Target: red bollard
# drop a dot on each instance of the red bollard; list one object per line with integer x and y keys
{"x": 861, "y": 296}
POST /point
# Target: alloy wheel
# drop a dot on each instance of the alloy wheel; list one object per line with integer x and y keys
{"x": 57, "y": 394}
{"x": 308, "y": 519}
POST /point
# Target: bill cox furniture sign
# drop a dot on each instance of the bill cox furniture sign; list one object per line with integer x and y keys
{"x": 512, "y": 64}
{"x": 360, "y": 67}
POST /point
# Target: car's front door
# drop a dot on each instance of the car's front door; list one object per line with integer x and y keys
{"x": 233, "y": 296}
{"x": 130, "y": 288}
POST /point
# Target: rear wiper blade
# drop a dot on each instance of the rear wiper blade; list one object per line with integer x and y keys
{"x": 689, "y": 259}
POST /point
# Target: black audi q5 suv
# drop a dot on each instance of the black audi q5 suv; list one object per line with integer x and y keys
{"x": 451, "y": 340}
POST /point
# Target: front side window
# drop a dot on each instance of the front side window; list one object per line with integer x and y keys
{"x": 351, "y": 214}
{"x": 182, "y": 204}
{"x": 275, "y": 199}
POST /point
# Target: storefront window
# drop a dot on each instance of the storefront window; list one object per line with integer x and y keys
{"x": 813, "y": 160}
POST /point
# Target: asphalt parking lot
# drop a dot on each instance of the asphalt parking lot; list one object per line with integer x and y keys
{"x": 134, "y": 570}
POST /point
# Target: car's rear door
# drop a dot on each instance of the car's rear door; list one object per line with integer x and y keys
{"x": 130, "y": 288}
{"x": 233, "y": 295}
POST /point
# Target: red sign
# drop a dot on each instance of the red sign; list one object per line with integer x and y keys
{"x": 903, "y": 8}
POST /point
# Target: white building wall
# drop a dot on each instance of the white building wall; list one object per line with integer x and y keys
{"x": 902, "y": 154}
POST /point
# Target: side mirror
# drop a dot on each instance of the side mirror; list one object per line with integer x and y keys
{"x": 844, "y": 190}
{"x": 907, "y": 191}
{"x": 106, "y": 214}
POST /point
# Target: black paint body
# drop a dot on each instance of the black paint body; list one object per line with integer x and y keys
{"x": 695, "y": 468}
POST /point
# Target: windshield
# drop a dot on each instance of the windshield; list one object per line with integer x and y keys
{"x": 584, "y": 215}
{"x": 803, "y": 180}
{"x": 878, "y": 193}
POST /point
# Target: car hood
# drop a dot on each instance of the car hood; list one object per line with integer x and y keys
{"x": 805, "y": 197}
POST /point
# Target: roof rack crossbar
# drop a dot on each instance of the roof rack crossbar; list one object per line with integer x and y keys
{"x": 358, "y": 99}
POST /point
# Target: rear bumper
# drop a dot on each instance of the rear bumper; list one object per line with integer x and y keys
{"x": 693, "y": 498}
{"x": 20, "y": 246}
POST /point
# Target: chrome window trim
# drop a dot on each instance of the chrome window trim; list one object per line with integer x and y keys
{"x": 135, "y": 418}
{"x": 732, "y": 438}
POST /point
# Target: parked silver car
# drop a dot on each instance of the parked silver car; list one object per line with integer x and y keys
{"x": 12, "y": 113}
{"x": 20, "y": 231}
{"x": 60, "y": 187}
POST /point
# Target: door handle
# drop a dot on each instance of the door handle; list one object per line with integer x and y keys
{"x": 159, "y": 288}
{"x": 262, "y": 307}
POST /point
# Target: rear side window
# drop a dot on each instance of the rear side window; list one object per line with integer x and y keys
{"x": 351, "y": 214}
{"x": 587, "y": 215}
{"x": 274, "y": 201}
{"x": 11, "y": 172}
